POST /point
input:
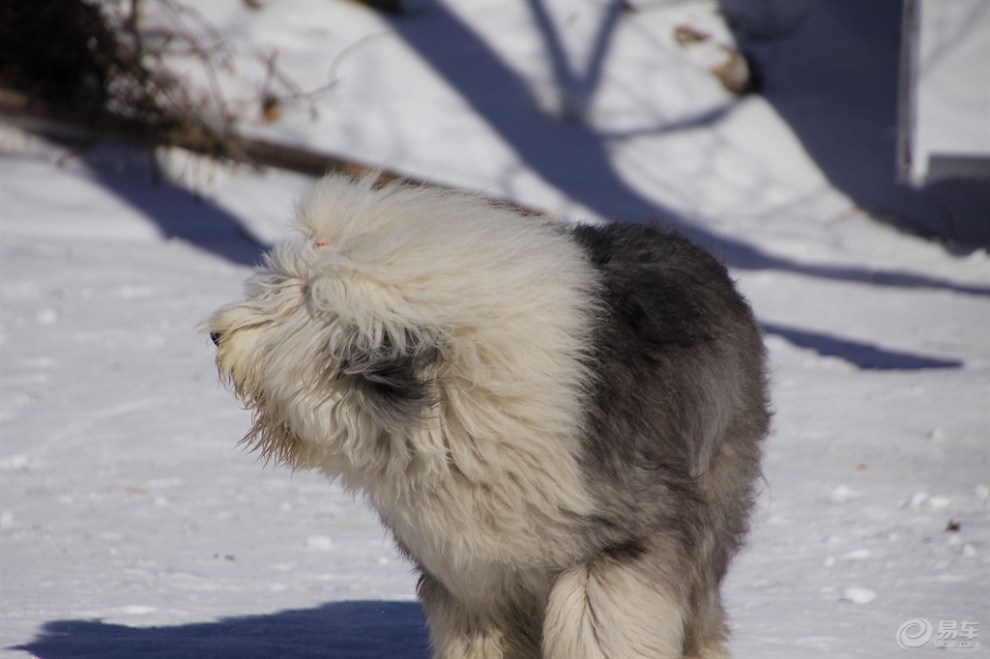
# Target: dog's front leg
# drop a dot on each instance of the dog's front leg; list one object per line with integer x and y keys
{"x": 614, "y": 607}
{"x": 457, "y": 632}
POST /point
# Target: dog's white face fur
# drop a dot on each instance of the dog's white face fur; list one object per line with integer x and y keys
{"x": 402, "y": 344}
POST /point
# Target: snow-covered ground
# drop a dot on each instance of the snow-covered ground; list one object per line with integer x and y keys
{"x": 132, "y": 525}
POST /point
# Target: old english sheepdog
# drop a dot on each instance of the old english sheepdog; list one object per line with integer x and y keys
{"x": 559, "y": 425}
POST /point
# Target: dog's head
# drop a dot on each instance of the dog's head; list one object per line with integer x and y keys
{"x": 404, "y": 330}
{"x": 330, "y": 351}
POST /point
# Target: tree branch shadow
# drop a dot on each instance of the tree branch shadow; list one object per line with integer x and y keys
{"x": 569, "y": 155}
{"x": 176, "y": 212}
{"x": 577, "y": 89}
{"x": 864, "y": 356}
{"x": 340, "y": 630}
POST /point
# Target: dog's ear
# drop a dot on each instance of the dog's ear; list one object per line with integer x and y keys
{"x": 394, "y": 374}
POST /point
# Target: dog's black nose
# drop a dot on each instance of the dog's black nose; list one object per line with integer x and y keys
{"x": 215, "y": 337}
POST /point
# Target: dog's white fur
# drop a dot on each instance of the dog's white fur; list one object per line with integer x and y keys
{"x": 505, "y": 296}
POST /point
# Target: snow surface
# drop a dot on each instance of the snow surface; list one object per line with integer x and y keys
{"x": 132, "y": 526}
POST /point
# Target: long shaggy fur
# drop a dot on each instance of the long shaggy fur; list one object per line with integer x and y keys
{"x": 560, "y": 427}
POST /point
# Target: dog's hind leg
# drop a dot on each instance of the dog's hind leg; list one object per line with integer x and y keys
{"x": 617, "y": 606}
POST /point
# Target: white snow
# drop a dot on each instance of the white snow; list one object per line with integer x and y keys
{"x": 131, "y": 524}
{"x": 858, "y": 595}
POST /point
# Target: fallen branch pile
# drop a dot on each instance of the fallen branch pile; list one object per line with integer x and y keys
{"x": 78, "y": 71}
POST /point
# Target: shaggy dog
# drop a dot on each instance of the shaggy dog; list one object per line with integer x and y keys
{"x": 560, "y": 426}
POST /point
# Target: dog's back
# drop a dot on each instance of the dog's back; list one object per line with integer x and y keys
{"x": 673, "y": 437}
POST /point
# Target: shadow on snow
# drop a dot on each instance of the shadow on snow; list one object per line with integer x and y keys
{"x": 834, "y": 80}
{"x": 864, "y": 356}
{"x": 336, "y": 630}
{"x": 569, "y": 154}
{"x": 176, "y": 212}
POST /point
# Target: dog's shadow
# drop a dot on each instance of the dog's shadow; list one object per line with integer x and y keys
{"x": 344, "y": 630}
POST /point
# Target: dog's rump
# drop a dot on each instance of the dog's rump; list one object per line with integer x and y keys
{"x": 678, "y": 349}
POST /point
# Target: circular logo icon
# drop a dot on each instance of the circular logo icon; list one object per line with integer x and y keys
{"x": 914, "y": 633}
